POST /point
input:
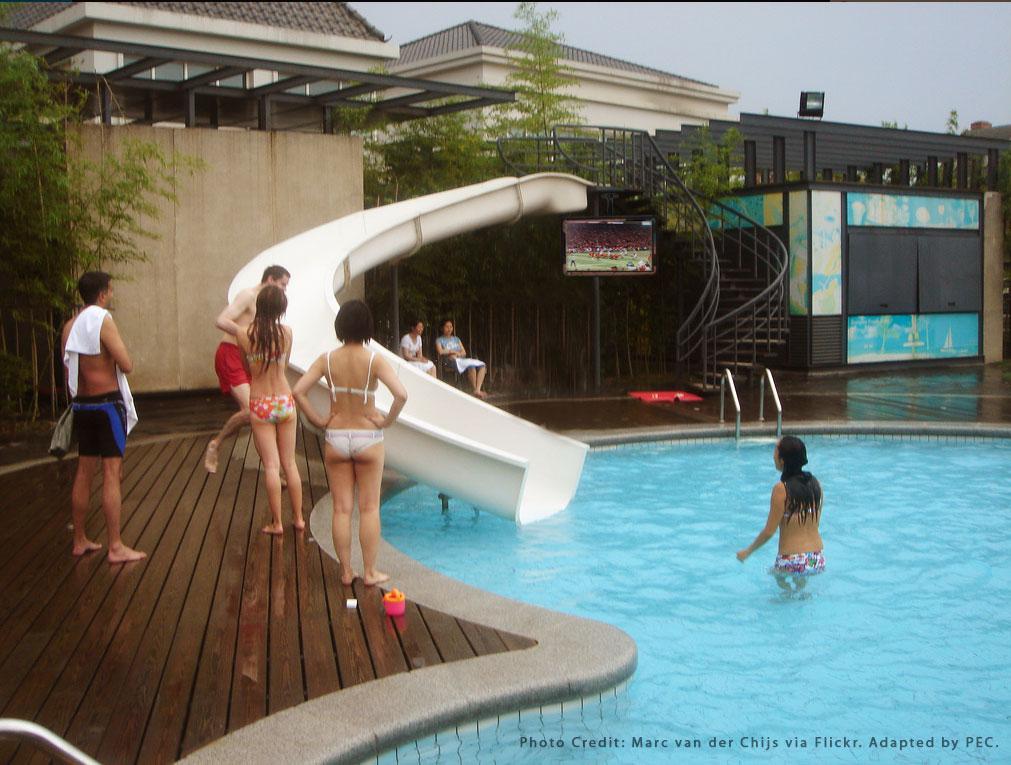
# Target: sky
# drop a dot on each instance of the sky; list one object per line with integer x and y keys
{"x": 910, "y": 63}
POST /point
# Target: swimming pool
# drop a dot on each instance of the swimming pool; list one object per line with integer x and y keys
{"x": 901, "y": 647}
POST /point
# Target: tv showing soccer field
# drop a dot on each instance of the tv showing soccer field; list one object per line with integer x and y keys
{"x": 609, "y": 246}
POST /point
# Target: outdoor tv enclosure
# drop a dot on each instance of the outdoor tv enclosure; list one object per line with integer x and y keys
{"x": 609, "y": 246}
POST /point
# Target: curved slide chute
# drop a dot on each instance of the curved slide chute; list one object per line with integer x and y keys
{"x": 445, "y": 438}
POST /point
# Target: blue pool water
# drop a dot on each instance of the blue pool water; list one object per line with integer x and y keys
{"x": 906, "y": 636}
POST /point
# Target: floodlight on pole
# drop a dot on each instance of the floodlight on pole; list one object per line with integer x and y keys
{"x": 812, "y": 104}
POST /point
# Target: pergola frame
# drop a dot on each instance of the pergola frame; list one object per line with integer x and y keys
{"x": 141, "y": 98}
{"x": 820, "y": 150}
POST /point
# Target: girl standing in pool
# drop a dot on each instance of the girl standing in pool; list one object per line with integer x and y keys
{"x": 795, "y": 509}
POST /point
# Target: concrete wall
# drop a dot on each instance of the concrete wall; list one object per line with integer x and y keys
{"x": 258, "y": 189}
{"x": 993, "y": 278}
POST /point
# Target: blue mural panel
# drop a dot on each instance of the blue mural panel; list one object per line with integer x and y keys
{"x": 826, "y": 253}
{"x": 906, "y": 211}
{"x": 767, "y": 209}
{"x": 907, "y": 337}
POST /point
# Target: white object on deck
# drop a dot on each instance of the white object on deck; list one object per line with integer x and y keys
{"x": 445, "y": 438}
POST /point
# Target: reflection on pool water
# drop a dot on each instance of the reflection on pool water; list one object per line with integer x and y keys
{"x": 904, "y": 637}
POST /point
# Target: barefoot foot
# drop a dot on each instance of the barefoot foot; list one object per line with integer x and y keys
{"x": 87, "y": 546}
{"x": 376, "y": 577}
{"x": 124, "y": 554}
{"x": 480, "y": 394}
{"x": 298, "y": 523}
{"x": 273, "y": 528}
{"x": 211, "y": 458}
{"x": 347, "y": 577}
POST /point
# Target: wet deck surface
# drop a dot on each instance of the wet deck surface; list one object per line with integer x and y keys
{"x": 958, "y": 394}
{"x": 219, "y": 627}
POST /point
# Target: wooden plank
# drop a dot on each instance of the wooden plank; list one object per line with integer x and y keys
{"x": 285, "y": 681}
{"x": 320, "y": 660}
{"x": 384, "y": 647}
{"x": 318, "y": 655}
{"x": 484, "y": 640}
{"x": 516, "y": 642}
{"x": 93, "y": 618}
{"x": 249, "y": 676}
{"x": 32, "y": 496}
{"x": 353, "y": 661}
{"x": 449, "y": 638}
{"x": 141, "y": 685}
{"x": 29, "y": 628}
{"x": 103, "y": 670}
{"x": 51, "y": 541}
{"x": 415, "y": 639}
{"x": 208, "y": 714}
{"x": 163, "y": 737}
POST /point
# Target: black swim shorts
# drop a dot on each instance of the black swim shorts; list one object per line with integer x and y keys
{"x": 100, "y": 425}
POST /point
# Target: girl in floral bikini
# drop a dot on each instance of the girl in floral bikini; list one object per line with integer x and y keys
{"x": 795, "y": 509}
{"x": 266, "y": 344}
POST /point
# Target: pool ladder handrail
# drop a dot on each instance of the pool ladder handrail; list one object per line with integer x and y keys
{"x": 728, "y": 378}
{"x": 775, "y": 399}
{"x": 43, "y": 738}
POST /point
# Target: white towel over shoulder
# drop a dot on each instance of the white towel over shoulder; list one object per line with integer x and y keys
{"x": 85, "y": 339}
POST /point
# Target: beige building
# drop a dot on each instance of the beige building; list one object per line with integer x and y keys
{"x": 608, "y": 91}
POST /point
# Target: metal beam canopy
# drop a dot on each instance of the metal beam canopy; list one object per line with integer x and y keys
{"x": 175, "y": 100}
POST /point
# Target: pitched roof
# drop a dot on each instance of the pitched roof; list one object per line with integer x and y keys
{"x": 326, "y": 18}
{"x": 475, "y": 34}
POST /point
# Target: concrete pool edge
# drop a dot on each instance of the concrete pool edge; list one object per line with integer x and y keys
{"x": 889, "y": 428}
{"x": 574, "y": 658}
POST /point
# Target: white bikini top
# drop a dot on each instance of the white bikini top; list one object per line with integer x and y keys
{"x": 364, "y": 392}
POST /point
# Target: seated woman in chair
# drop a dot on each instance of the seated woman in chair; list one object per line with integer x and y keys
{"x": 410, "y": 349}
{"x": 451, "y": 347}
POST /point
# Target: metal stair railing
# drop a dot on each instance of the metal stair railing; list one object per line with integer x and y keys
{"x": 727, "y": 378}
{"x": 621, "y": 158}
{"x": 775, "y": 400}
{"x": 28, "y": 732}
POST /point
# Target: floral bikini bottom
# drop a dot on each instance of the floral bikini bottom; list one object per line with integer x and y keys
{"x": 274, "y": 409}
{"x": 800, "y": 563}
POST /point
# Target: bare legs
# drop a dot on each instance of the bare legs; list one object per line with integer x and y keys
{"x": 276, "y": 447}
{"x": 112, "y": 470}
{"x": 365, "y": 471}
{"x": 476, "y": 377}
{"x": 234, "y": 423}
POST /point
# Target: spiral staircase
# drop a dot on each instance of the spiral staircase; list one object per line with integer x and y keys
{"x": 738, "y": 320}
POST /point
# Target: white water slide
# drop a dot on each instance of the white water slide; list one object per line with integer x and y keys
{"x": 445, "y": 438}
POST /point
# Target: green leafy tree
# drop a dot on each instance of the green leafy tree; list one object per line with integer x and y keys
{"x": 539, "y": 78}
{"x": 60, "y": 214}
{"x": 951, "y": 125}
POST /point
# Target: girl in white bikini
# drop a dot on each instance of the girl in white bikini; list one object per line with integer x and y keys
{"x": 266, "y": 343}
{"x": 354, "y": 433}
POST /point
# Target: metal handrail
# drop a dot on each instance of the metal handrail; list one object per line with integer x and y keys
{"x": 728, "y": 378}
{"x": 775, "y": 399}
{"x": 45, "y": 739}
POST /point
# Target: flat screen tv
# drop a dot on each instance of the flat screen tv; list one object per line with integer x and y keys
{"x": 609, "y": 246}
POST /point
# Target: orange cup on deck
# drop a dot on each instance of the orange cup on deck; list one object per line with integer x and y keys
{"x": 394, "y": 602}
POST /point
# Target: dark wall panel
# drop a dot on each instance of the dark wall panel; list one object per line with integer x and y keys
{"x": 881, "y": 273}
{"x": 950, "y": 277}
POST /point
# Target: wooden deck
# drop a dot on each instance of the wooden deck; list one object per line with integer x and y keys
{"x": 219, "y": 627}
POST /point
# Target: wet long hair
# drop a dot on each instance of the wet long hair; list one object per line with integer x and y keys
{"x": 803, "y": 492}
{"x": 266, "y": 337}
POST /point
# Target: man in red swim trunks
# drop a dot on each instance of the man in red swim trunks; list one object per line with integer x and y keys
{"x": 233, "y": 377}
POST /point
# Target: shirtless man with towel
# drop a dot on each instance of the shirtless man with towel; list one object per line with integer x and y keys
{"x": 96, "y": 363}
